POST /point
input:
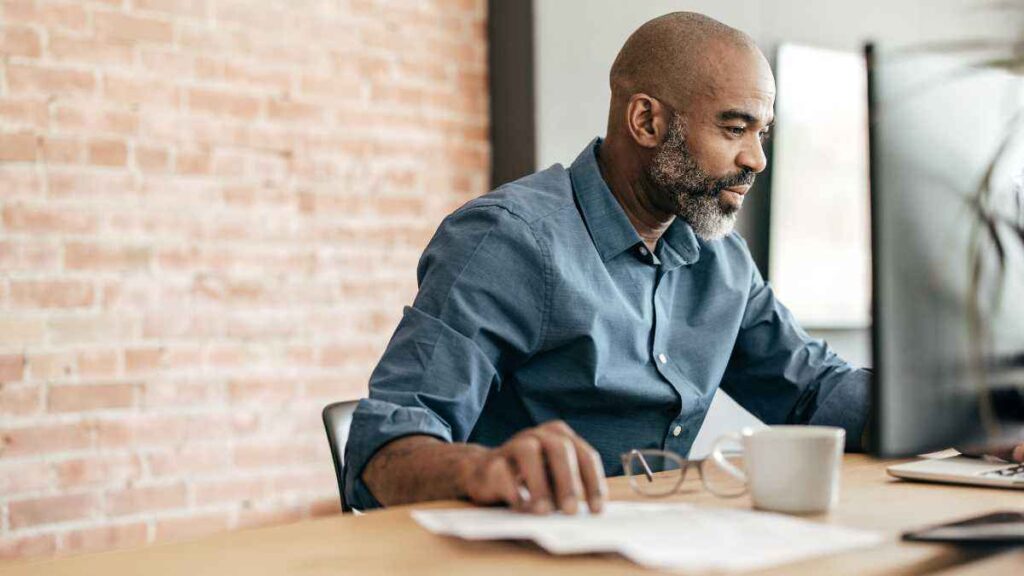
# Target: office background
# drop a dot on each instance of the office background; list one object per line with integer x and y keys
{"x": 212, "y": 212}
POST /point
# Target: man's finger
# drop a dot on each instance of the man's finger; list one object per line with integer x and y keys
{"x": 503, "y": 485}
{"x": 1018, "y": 453}
{"x": 526, "y": 453}
{"x": 589, "y": 461}
{"x": 592, "y": 473}
{"x": 560, "y": 455}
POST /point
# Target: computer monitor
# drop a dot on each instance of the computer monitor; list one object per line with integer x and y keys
{"x": 936, "y": 123}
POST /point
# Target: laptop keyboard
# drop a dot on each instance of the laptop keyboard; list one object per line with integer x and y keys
{"x": 1010, "y": 472}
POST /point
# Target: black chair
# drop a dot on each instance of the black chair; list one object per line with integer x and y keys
{"x": 337, "y": 419}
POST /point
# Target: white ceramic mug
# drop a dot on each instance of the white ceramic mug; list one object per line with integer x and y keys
{"x": 792, "y": 469}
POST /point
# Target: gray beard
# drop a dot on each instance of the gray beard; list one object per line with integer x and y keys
{"x": 694, "y": 192}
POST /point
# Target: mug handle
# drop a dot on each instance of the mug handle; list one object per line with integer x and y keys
{"x": 720, "y": 461}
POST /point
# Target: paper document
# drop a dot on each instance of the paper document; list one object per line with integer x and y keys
{"x": 658, "y": 535}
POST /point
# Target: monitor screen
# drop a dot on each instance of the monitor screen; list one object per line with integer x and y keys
{"x": 947, "y": 207}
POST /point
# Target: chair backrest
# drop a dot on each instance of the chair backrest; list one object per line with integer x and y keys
{"x": 337, "y": 419}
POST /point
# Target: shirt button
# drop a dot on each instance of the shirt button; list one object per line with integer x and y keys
{"x": 677, "y": 430}
{"x": 662, "y": 358}
{"x": 642, "y": 251}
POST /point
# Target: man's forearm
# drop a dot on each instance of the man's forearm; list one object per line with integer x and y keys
{"x": 417, "y": 469}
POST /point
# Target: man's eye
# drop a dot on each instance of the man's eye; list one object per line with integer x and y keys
{"x": 735, "y": 130}
{"x": 765, "y": 135}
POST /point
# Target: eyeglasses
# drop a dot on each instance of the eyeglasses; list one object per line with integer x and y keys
{"x": 658, "y": 473}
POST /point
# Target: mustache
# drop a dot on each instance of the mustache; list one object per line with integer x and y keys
{"x": 741, "y": 178}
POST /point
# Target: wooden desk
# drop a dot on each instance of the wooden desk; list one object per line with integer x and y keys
{"x": 389, "y": 542}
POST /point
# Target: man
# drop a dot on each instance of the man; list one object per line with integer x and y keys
{"x": 578, "y": 313}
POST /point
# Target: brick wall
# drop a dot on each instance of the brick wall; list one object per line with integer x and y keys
{"x": 211, "y": 215}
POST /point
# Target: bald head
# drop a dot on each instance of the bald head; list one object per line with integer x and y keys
{"x": 679, "y": 54}
{"x": 692, "y": 103}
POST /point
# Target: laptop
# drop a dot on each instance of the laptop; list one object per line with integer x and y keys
{"x": 951, "y": 467}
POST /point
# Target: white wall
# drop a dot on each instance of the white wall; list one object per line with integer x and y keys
{"x": 577, "y": 40}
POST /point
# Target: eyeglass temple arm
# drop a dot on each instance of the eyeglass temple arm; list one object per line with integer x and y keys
{"x": 643, "y": 462}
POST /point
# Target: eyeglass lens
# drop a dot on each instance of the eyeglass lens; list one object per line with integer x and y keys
{"x": 654, "y": 473}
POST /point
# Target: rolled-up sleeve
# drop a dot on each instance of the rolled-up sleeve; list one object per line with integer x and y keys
{"x": 783, "y": 376}
{"x": 479, "y": 312}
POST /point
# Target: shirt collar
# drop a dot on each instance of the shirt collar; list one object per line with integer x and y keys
{"x": 610, "y": 228}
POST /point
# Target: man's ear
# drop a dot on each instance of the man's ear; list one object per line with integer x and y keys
{"x": 645, "y": 120}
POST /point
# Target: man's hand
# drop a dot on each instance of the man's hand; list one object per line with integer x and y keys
{"x": 538, "y": 470}
{"x": 1010, "y": 453}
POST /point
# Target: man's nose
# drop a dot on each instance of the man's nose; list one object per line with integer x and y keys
{"x": 752, "y": 157}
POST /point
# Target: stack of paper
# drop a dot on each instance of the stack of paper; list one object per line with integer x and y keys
{"x": 658, "y": 535}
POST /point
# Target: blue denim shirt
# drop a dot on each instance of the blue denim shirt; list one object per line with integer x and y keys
{"x": 539, "y": 301}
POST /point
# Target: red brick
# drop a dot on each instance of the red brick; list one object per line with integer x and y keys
{"x": 53, "y": 219}
{"x": 98, "y": 471}
{"x": 20, "y": 477}
{"x": 52, "y": 510}
{"x": 51, "y": 293}
{"x": 89, "y": 329}
{"x": 19, "y": 41}
{"x": 193, "y": 8}
{"x": 90, "y": 118}
{"x": 152, "y": 158}
{"x": 193, "y": 161}
{"x": 133, "y": 91}
{"x": 108, "y": 153}
{"x": 89, "y": 51}
{"x": 99, "y": 363}
{"x": 43, "y": 439}
{"x": 189, "y": 461}
{"x": 20, "y": 399}
{"x": 245, "y": 490}
{"x": 25, "y": 78}
{"x": 20, "y": 180}
{"x": 21, "y": 331}
{"x": 12, "y": 367}
{"x": 82, "y": 398}
{"x": 18, "y": 147}
{"x": 70, "y": 16}
{"x": 143, "y": 360}
{"x": 117, "y": 536}
{"x": 350, "y": 354}
{"x": 190, "y": 527}
{"x": 278, "y": 454}
{"x": 138, "y": 430}
{"x": 170, "y": 62}
{"x": 337, "y": 386}
{"x": 91, "y": 184}
{"x": 316, "y": 482}
{"x": 160, "y": 394}
{"x": 50, "y": 366}
{"x": 288, "y": 111}
{"x": 20, "y": 547}
{"x": 223, "y": 103}
{"x": 143, "y": 499}
{"x": 62, "y": 150}
{"x": 24, "y": 113}
{"x": 261, "y": 391}
{"x": 114, "y": 27}
{"x": 82, "y": 256}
